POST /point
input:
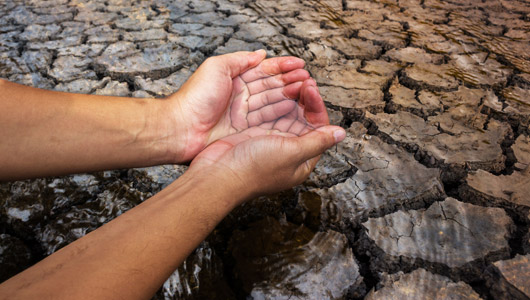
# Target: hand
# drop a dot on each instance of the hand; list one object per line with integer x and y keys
{"x": 230, "y": 93}
{"x": 264, "y": 159}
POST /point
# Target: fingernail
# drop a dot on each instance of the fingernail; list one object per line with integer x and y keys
{"x": 259, "y": 52}
{"x": 339, "y": 135}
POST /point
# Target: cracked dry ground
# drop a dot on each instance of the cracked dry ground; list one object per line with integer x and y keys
{"x": 428, "y": 196}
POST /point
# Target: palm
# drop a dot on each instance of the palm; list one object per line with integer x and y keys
{"x": 307, "y": 114}
{"x": 263, "y": 101}
{"x": 221, "y": 101}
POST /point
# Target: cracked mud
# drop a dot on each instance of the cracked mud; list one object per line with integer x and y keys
{"x": 426, "y": 198}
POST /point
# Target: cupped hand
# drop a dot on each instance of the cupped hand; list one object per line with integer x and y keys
{"x": 231, "y": 93}
{"x": 275, "y": 155}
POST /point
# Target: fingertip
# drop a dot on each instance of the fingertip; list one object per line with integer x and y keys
{"x": 257, "y": 56}
{"x": 313, "y": 92}
{"x": 311, "y": 82}
{"x": 313, "y": 101}
{"x": 292, "y": 91}
{"x": 295, "y": 75}
{"x": 315, "y": 142}
{"x": 237, "y": 63}
{"x": 290, "y": 63}
{"x": 314, "y": 108}
{"x": 339, "y": 135}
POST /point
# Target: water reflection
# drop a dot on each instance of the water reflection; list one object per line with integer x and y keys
{"x": 280, "y": 260}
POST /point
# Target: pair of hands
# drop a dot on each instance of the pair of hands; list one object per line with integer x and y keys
{"x": 242, "y": 118}
{"x": 236, "y": 118}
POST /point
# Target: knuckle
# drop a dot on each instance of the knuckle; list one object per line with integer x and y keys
{"x": 265, "y": 100}
{"x": 269, "y": 83}
{"x": 326, "y": 139}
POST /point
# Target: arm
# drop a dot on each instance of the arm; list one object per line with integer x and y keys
{"x": 53, "y": 133}
{"x": 46, "y": 133}
{"x": 260, "y": 142}
{"x": 131, "y": 256}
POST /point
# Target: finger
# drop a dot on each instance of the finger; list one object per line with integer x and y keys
{"x": 291, "y": 91}
{"x": 273, "y": 66}
{"x": 276, "y": 81}
{"x": 306, "y": 167}
{"x": 267, "y": 125}
{"x": 240, "y": 62}
{"x": 317, "y": 141}
{"x": 314, "y": 108}
{"x": 270, "y": 112}
{"x": 307, "y": 83}
{"x": 239, "y": 107}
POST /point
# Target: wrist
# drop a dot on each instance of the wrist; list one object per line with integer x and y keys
{"x": 181, "y": 138}
{"x": 154, "y": 132}
{"x": 219, "y": 184}
{"x": 169, "y": 142}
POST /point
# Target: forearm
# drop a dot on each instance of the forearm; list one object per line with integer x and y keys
{"x": 47, "y": 133}
{"x": 130, "y": 257}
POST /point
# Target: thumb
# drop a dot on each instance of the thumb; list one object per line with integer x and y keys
{"x": 319, "y": 140}
{"x": 239, "y": 62}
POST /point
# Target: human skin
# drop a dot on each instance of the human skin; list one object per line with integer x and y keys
{"x": 47, "y": 133}
{"x": 131, "y": 256}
